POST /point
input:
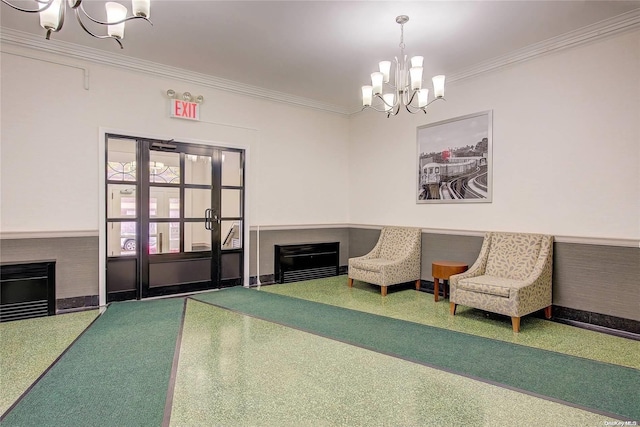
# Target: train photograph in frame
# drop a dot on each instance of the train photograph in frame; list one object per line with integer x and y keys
{"x": 454, "y": 160}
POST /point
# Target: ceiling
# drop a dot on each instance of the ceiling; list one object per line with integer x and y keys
{"x": 325, "y": 50}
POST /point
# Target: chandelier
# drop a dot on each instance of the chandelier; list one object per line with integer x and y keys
{"x": 406, "y": 91}
{"x": 52, "y": 16}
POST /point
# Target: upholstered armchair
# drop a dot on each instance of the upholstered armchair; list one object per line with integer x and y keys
{"x": 394, "y": 259}
{"x": 512, "y": 276}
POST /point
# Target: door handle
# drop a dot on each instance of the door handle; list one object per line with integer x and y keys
{"x": 207, "y": 219}
{"x": 216, "y": 218}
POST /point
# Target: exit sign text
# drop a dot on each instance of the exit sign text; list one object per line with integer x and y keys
{"x": 185, "y": 110}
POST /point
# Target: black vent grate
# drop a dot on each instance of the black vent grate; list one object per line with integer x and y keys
{"x": 294, "y": 263}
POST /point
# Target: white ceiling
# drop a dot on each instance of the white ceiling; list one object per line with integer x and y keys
{"x": 325, "y": 50}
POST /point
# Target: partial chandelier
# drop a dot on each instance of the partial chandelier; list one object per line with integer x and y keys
{"x": 406, "y": 91}
{"x": 52, "y": 14}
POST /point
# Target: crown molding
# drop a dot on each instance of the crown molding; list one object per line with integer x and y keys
{"x": 618, "y": 24}
{"x": 70, "y": 50}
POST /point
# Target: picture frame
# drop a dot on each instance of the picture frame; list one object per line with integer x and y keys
{"x": 454, "y": 160}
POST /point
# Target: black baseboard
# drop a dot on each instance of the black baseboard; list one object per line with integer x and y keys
{"x": 265, "y": 279}
{"x": 612, "y": 325}
{"x": 601, "y": 322}
{"x": 77, "y": 303}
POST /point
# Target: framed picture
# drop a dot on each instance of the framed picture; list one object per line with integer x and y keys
{"x": 454, "y": 160}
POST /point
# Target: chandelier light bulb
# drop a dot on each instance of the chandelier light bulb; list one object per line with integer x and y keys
{"x": 416, "y": 78}
{"x": 417, "y": 61}
{"x": 367, "y": 95}
{"x": 141, "y": 8}
{"x": 423, "y": 97}
{"x": 50, "y": 17}
{"x": 115, "y": 12}
{"x": 376, "y": 82}
{"x": 388, "y": 101}
{"x": 438, "y": 86}
{"x": 385, "y": 69}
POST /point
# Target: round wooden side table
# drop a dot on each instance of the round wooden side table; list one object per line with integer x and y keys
{"x": 442, "y": 270}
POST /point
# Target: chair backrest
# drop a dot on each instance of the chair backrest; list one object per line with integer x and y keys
{"x": 513, "y": 255}
{"x": 396, "y": 242}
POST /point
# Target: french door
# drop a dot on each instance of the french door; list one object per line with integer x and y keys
{"x": 175, "y": 215}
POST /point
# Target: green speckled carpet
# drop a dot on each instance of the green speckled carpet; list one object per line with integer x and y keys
{"x": 600, "y": 387}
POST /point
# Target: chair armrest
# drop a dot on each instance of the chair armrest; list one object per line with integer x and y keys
{"x": 538, "y": 285}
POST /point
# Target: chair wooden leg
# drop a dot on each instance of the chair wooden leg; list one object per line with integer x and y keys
{"x": 350, "y": 282}
{"x": 452, "y": 308}
{"x": 383, "y": 290}
{"x": 515, "y": 323}
{"x": 547, "y": 312}
{"x": 418, "y": 285}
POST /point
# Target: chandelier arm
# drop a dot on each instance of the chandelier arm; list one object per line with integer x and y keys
{"x": 434, "y": 100}
{"x": 95, "y": 35}
{"x": 78, "y": 5}
{"x": 385, "y": 102}
{"x": 46, "y": 3}
{"x": 416, "y": 110}
{"x": 374, "y": 108}
{"x": 413, "y": 95}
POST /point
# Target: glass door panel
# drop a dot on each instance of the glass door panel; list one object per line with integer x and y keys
{"x": 164, "y": 237}
{"x": 164, "y": 167}
{"x": 232, "y": 168}
{"x": 121, "y": 201}
{"x": 121, "y": 160}
{"x": 231, "y": 203}
{"x": 231, "y": 232}
{"x": 196, "y": 201}
{"x": 196, "y": 237}
{"x": 164, "y": 202}
{"x": 121, "y": 239}
{"x": 197, "y": 169}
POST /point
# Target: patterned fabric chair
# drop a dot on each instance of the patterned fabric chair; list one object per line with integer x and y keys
{"x": 512, "y": 276}
{"x": 395, "y": 259}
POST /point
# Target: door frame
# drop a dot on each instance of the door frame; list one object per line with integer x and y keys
{"x": 102, "y": 214}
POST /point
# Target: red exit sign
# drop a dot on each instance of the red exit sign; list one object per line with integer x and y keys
{"x": 185, "y": 110}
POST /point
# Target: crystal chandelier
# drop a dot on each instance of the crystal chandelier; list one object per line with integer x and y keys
{"x": 406, "y": 91}
{"x": 52, "y": 16}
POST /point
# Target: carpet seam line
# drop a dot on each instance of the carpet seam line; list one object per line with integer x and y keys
{"x": 174, "y": 369}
